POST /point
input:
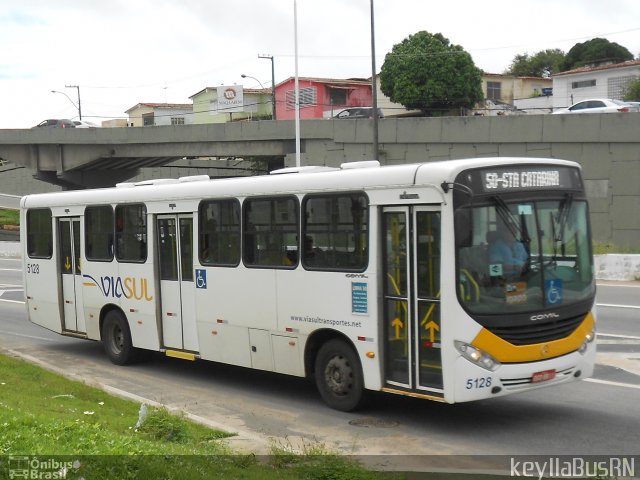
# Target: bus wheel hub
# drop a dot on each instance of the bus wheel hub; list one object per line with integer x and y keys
{"x": 337, "y": 375}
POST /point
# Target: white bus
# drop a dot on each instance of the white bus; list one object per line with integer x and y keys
{"x": 362, "y": 277}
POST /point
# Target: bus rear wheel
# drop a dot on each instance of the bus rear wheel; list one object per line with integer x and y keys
{"x": 116, "y": 339}
{"x": 338, "y": 376}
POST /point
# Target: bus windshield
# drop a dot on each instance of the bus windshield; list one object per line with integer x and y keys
{"x": 523, "y": 256}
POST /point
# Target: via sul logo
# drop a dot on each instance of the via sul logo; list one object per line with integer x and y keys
{"x": 118, "y": 287}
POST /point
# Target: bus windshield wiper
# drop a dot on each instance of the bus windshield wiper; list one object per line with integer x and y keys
{"x": 563, "y": 215}
{"x": 558, "y": 226}
{"x": 511, "y": 220}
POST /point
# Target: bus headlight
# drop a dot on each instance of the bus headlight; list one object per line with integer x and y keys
{"x": 588, "y": 338}
{"x": 477, "y": 356}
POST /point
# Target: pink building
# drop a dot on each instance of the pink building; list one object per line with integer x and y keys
{"x": 321, "y": 97}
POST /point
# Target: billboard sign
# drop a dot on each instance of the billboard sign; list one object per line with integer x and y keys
{"x": 230, "y": 99}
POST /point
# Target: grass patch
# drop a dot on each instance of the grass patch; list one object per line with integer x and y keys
{"x": 601, "y": 248}
{"x": 9, "y": 217}
{"x": 314, "y": 461}
{"x": 67, "y": 425}
{"x": 45, "y": 414}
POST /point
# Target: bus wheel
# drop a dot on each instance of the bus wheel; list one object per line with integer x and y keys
{"x": 338, "y": 376}
{"x": 116, "y": 339}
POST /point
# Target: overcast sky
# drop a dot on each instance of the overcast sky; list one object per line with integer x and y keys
{"x": 123, "y": 52}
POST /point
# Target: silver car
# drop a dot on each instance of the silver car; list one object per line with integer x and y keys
{"x": 597, "y": 105}
{"x": 56, "y": 123}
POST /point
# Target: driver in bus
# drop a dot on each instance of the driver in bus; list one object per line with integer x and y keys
{"x": 506, "y": 250}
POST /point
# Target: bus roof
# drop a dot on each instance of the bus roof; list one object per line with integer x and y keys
{"x": 350, "y": 176}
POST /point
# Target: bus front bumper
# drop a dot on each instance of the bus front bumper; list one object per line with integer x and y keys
{"x": 473, "y": 382}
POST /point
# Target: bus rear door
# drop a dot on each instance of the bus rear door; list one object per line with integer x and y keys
{"x": 411, "y": 267}
{"x": 175, "y": 251}
{"x": 71, "y": 271}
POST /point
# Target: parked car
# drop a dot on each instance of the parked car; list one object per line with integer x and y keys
{"x": 635, "y": 106}
{"x": 83, "y": 124}
{"x": 597, "y": 105}
{"x": 56, "y": 123}
{"x": 357, "y": 112}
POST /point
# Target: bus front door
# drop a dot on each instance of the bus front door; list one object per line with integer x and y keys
{"x": 411, "y": 263}
{"x": 175, "y": 251}
{"x": 71, "y": 271}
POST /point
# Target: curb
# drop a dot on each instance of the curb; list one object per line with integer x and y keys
{"x": 619, "y": 267}
{"x": 10, "y": 249}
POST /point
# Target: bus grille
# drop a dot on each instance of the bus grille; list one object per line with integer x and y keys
{"x": 537, "y": 332}
{"x": 514, "y": 384}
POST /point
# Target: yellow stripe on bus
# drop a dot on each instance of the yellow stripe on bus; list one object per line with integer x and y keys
{"x": 506, "y": 352}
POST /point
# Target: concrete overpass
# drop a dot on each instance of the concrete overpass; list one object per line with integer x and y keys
{"x": 81, "y": 158}
{"x": 606, "y": 145}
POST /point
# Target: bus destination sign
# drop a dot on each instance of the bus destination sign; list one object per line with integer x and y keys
{"x": 501, "y": 180}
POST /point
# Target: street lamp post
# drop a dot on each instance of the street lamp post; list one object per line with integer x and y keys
{"x": 253, "y": 78}
{"x": 72, "y": 102}
{"x": 273, "y": 83}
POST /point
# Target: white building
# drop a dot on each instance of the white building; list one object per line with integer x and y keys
{"x": 606, "y": 81}
{"x": 151, "y": 114}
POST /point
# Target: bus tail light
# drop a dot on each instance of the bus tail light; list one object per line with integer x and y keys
{"x": 588, "y": 338}
{"x": 477, "y": 356}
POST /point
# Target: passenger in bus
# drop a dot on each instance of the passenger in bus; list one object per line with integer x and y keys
{"x": 209, "y": 252}
{"x": 276, "y": 253}
{"x": 506, "y": 250}
{"x": 312, "y": 255}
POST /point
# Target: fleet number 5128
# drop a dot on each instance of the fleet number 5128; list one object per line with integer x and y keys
{"x": 33, "y": 268}
{"x": 480, "y": 382}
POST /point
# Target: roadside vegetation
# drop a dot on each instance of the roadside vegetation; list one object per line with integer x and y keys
{"x": 601, "y": 248}
{"x": 9, "y": 217}
{"x": 71, "y": 427}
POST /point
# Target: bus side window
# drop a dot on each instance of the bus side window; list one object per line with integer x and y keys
{"x": 99, "y": 233}
{"x": 219, "y": 237}
{"x": 335, "y": 232}
{"x": 39, "y": 233}
{"x": 271, "y": 232}
{"x": 131, "y": 233}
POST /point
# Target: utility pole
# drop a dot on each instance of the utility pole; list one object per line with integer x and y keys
{"x": 273, "y": 83}
{"x": 374, "y": 88}
{"x": 296, "y": 82}
{"x": 77, "y": 87}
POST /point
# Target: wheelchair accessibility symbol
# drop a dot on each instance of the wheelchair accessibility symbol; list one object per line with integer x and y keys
{"x": 201, "y": 278}
{"x": 553, "y": 291}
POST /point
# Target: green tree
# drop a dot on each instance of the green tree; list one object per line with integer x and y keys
{"x": 595, "y": 51}
{"x": 542, "y": 64}
{"x": 425, "y": 72}
{"x": 633, "y": 91}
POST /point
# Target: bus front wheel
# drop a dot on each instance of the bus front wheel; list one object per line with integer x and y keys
{"x": 338, "y": 376}
{"x": 116, "y": 339}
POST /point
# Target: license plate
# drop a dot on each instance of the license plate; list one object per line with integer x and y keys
{"x": 543, "y": 376}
